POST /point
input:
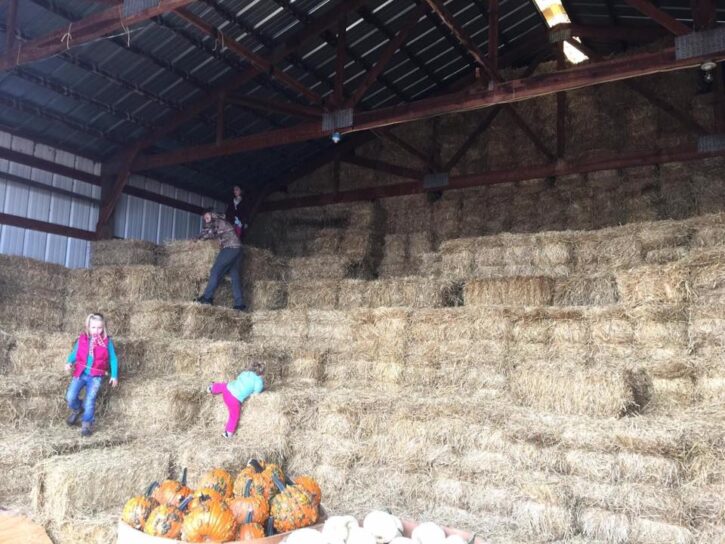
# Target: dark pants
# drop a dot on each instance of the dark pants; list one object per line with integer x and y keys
{"x": 226, "y": 262}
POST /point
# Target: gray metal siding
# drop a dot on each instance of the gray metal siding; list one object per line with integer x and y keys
{"x": 135, "y": 217}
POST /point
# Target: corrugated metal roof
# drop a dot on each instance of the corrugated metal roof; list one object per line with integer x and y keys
{"x": 95, "y": 98}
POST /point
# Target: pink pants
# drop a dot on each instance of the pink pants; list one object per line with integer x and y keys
{"x": 233, "y": 405}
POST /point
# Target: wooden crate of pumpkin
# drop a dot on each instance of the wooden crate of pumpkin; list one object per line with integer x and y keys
{"x": 262, "y": 503}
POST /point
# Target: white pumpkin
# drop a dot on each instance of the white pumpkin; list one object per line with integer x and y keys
{"x": 337, "y": 529}
{"x": 456, "y": 539}
{"x": 305, "y": 536}
{"x": 428, "y": 533}
{"x": 402, "y": 540}
{"x": 383, "y": 525}
{"x": 358, "y": 535}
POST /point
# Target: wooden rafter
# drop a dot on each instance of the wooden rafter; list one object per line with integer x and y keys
{"x": 340, "y": 60}
{"x": 480, "y": 129}
{"x": 83, "y": 31}
{"x": 386, "y": 135}
{"x": 667, "y": 21}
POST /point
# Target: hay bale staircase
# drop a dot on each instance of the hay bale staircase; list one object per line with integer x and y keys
{"x": 550, "y": 387}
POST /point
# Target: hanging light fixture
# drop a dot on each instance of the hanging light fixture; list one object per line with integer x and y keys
{"x": 555, "y": 14}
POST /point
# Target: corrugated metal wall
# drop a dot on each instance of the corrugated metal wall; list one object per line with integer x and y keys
{"x": 135, "y": 217}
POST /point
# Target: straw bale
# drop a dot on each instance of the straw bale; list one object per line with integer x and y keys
{"x": 428, "y": 265}
{"x": 188, "y": 320}
{"x": 456, "y": 259}
{"x": 580, "y": 290}
{"x": 609, "y": 328}
{"x": 705, "y": 504}
{"x": 280, "y": 324}
{"x": 664, "y": 234}
{"x": 671, "y": 393}
{"x": 646, "y": 531}
{"x": 28, "y": 311}
{"x": 657, "y": 333}
{"x": 325, "y": 242}
{"x": 381, "y": 332}
{"x": 518, "y": 254}
{"x": 410, "y": 292}
{"x": 530, "y": 329}
{"x": 354, "y": 294}
{"x": 34, "y": 397}
{"x": 91, "y": 482}
{"x": 551, "y": 253}
{"x": 24, "y": 275}
{"x": 623, "y": 467}
{"x": 543, "y": 520}
{"x": 710, "y": 534}
{"x": 267, "y": 295}
{"x": 607, "y": 251}
{"x": 261, "y": 264}
{"x": 709, "y": 236}
{"x": 306, "y": 366}
{"x": 320, "y": 267}
{"x": 395, "y": 248}
{"x": 356, "y": 244}
{"x": 116, "y": 315}
{"x": 707, "y": 327}
{"x": 419, "y": 242}
{"x": 570, "y": 389}
{"x": 665, "y": 255}
{"x": 653, "y": 284}
{"x": 711, "y": 386}
{"x": 395, "y": 270}
{"x": 98, "y": 529}
{"x": 319, "y": 294}
{"x": 7, "y": 343}
{"x": 524, "y": 291}
{"x": 708, "y": 283}
{"x": 194, "y": 256}
{"x": 122, "y": 252}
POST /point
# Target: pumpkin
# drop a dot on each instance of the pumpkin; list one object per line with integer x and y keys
{"x": 383, "y": 525}
{"x": 309, "y": 484}
{"x": 219, "y": 480}
{"x": 203, "y": 495}
{"x": 137, "y": 509}
{"x": 172, "y": 492}
{"x": 292, "y": 508}
{"x": 337, "y": 528}
{"x": 249, "y": 530}
{"x": 211, "y": 521}
{"x": 428, "y": 533}
{"x": 166, "y": 520}
{"x": 306, "y": 536}
{"x": 262, "y": 483}
{"x": 256, "y": 505}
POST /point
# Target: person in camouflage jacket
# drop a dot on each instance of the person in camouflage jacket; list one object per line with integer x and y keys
{"x": 228, "y": 260}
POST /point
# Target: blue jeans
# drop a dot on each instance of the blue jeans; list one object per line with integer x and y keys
{"x": 226, "y": 262}
{"x": 92, "y": 385}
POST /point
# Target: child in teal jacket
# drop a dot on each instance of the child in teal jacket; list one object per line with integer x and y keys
{"x": 248, "y": 383}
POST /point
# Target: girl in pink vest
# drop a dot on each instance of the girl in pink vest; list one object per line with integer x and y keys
{"x": 92, "y": 356}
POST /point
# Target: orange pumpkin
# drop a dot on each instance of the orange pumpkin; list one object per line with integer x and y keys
{"x": 165, "y": 520}
{"x": 262, "y": 483}
{"x": 309, "y": 484}
{"x": 204, "y": 495}
{"x": 218, "y": 479}
{"x": 292, "y": 508}
{"x": 137, "y": 509}
{"x": 212, "y": 521}
{"x": 172, "y": 492}
{"x": 250, "y": 530}
{"x": 256, "y": 505}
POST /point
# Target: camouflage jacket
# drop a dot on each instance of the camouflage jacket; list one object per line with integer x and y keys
{"x": 220, "y": 229}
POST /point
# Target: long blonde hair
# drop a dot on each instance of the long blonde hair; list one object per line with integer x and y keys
{"x": 96, "y": 317}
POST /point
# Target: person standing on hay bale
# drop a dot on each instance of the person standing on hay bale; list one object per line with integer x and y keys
{"x": 227, "y": 261}
{"x": 93, "y": 353}
{"x": 235, "y": 212}
{"x": 248, "y": 383}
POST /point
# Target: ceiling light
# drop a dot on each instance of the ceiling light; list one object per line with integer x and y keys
{"x": 336, "y": 137}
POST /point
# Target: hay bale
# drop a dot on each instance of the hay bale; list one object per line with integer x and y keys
{"x": 603, "y": 525}
{"x": 523, "y": 291}
{"x": 664, "y": 234}
{"x": 381, "y": 333}
{"x": 306, "y": 366}
{"x": 196, "y": 257}
{"x": 261, "y": 264}
{"x": 354, "y": 294}
{"x": 457, "y": 258}
{"x": 320, "y": 267}
{"x": 550, "y": 252}
{"x": 428, "y": 265}
{"x": 571, "y": 389}
{"x": 267, "y": 295}
{"x": 30, "y": 311}
{"x": 665, "y": 255}
{"x": 606, "y": 250}
{"x": 115, "y": 314}
{"x": 88, "y": 483}
{"x": 21, "y": 275}
{"x": 123, "y": 252}
{"x": 33, "y": 398}
{"x": 653, "y": 284}
{"x": 279, "y": 325}
{"x": 589, "y": 290}
{"x": 324, "y": 242}
{"x": 544, "y": 520}
{"x": 645, "y": 531}
{"x": 99, "y": 529}
{"x": 329, "y": 326}
{"x": 188, "y": 320}
{"x": 707, "y": 329}
{"x": 623, "y": 467}
{"x": 408, "y": 292}
{"x": 319, "y": 294}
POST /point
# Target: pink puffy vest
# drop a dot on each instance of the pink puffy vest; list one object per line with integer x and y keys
{"x": 100, "y": 358}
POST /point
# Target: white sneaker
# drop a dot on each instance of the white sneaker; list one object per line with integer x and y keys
{"x": 226, "y": 434}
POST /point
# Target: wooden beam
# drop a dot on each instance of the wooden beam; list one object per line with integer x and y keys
{"x": 83, "y": 31}
{"x": 384, "y": 134}
{"x": 473, "y": 98}
{"x": 340, "y": 60}
{"x": 11, "y": 27}
{"x": 526, "y": 129}
{"x": 290, "y": 45}
{"x": 704, "y": 15}
{"x": 112, "y": 186}
{"x": 382, "y": 166}
{"x": 44, "y": 226}
{"x": 482, "y": 126}
{"x": 493, "y": 14}
{"x": 393, "y": 45}
{"x": 276, "y": 106}
{"x": 221, "y": 103}
{"x": 653, "y": 12}
{"x": 463, "y": 38}
{"x": 560, "y": 168}
{"x": 610, "y": 33}
{"x": 261, "y": 64}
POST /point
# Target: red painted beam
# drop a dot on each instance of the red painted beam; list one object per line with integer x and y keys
{"x": 261, "y": 64}
{"x": 44, "y": 226}
{"x": 393, "y": 45}
{"x": 650, "y": 10}
{"x": 704, "y": 15}
{"x": 498, "y": 176}
{"x": 83, "y": 31}
{"x": 473, "y": 98}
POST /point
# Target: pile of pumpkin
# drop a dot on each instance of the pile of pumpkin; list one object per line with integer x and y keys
{"x": 261, "y": 501}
